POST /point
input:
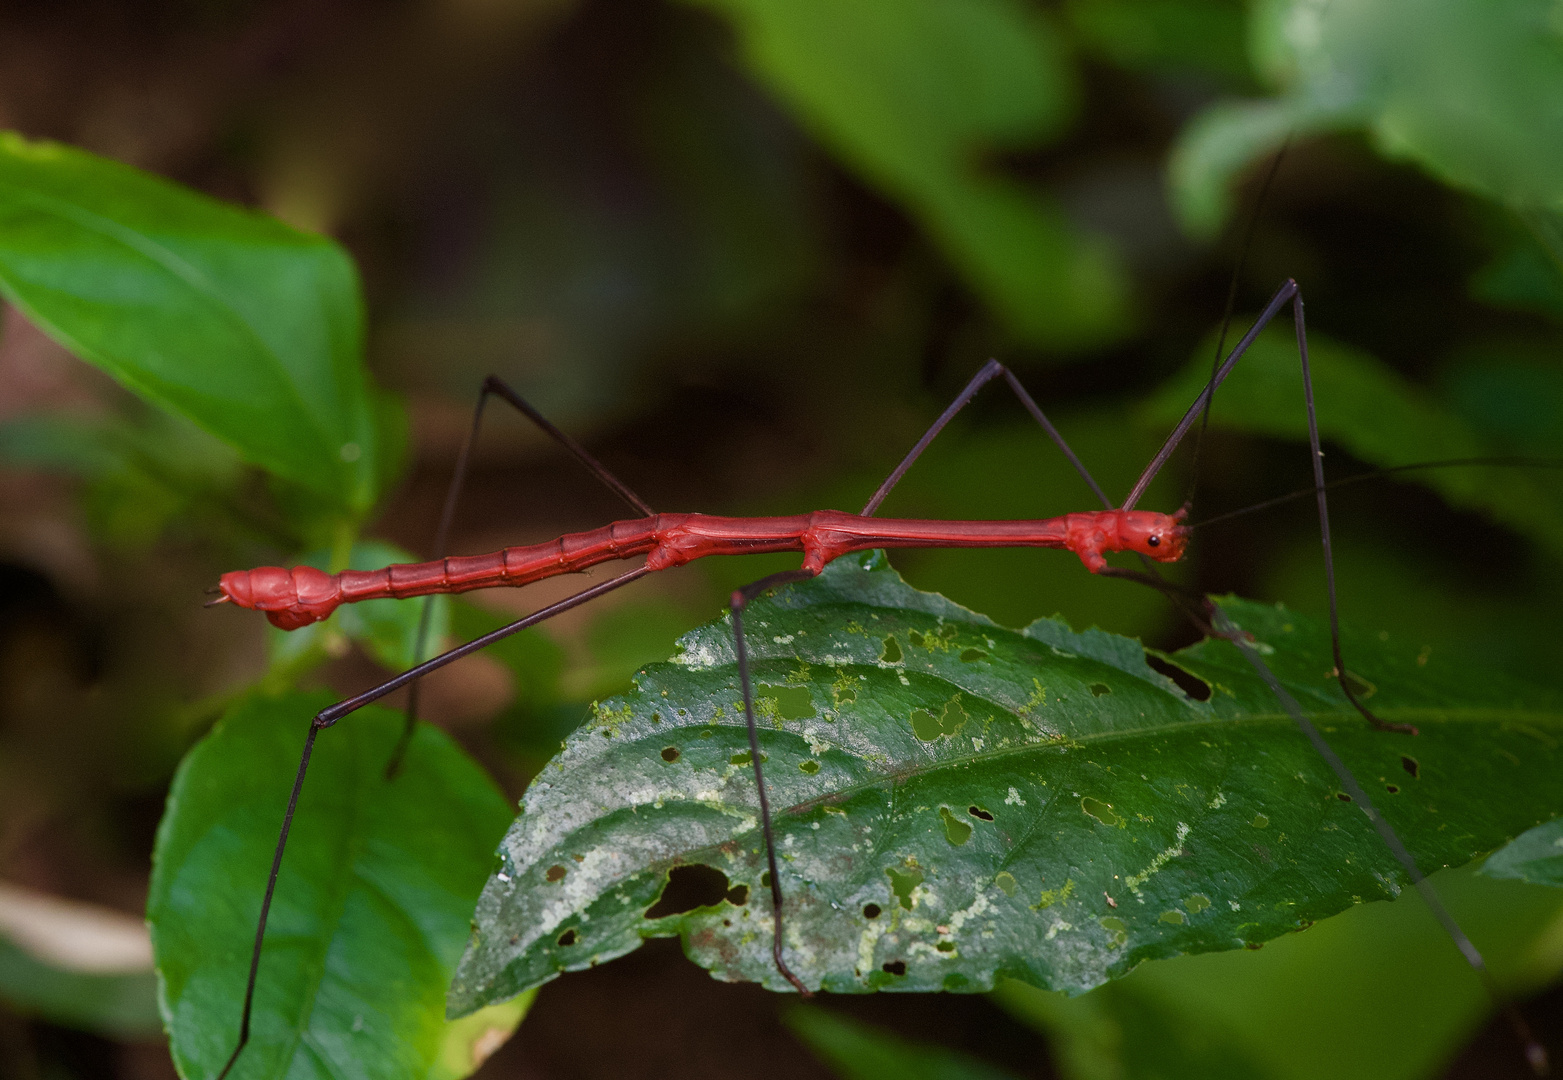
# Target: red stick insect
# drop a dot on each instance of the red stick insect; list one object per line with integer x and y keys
{"x": 294, "y": 598}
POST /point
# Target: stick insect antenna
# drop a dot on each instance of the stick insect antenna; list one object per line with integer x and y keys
{"x": 740, "y": 600}
{"x": 328, "y": 716}
{"x": 494, "y": 386}
{"x": 1501, "y": 460}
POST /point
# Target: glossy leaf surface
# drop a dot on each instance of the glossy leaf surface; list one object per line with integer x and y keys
{"x": 958, "y": 802}
{"x": 249, "y": 328}
{"x": 371, "y": 908}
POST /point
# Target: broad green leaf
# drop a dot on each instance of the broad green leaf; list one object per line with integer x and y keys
{"x": 956, "y": 802}
{"x": 1536, "y": 856}
{"x": 915, "y": 95}
{"x": 859, "y": 1052}
{"x": 386, "y": 629}
{"x": 1469, "y": 92}
{"x": 371, "y": 908}
{"x": 1378, "y": 993}
{"x": 1370, "y": 410}
{"x": 247, "y": 327}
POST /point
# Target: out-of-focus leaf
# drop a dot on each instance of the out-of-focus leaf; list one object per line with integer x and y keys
{"x": 1165, "y": 35}
{"x": 1469, "y": 92}
{"x": 858, "y": 1052}
{"x": 371, "y": 908}
{"x": 1523, "y": 277}
{"x": 76, "y": 964}
{"x": 387, "y": 629}
{"x": 1367, "y": 408}
{"x": 914, "y": 96}
{"x": 1378, "y": 993}
{"x": 1536, "y": 856}
{"x": 955, "y": 802}
{"x": 122, "y": 1005}
{"x": 1511, "y": 395}
{"x": 245, "y": 326}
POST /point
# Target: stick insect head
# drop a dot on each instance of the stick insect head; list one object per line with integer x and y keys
{"x": 1162, "y": 537}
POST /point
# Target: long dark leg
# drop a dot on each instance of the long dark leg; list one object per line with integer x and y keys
{"x": 991, "y": 370}
{"x": 493, "y": 386}
{"x": 740, "y": 600}
{"x": 1290, "y": 292}
{"x": 328, "y": 716}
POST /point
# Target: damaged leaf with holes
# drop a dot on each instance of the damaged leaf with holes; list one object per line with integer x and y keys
{"x": 1058, "y": 813}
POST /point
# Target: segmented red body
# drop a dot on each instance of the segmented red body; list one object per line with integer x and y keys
{"x": 303, "y": 595}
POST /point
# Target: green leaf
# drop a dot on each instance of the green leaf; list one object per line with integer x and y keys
{"x": 858, "y": 1052}
{"x": 1536, "y": 856}
{"x": 371, "y": 907}
{"x": 1075, "y": 772}
{"x": 247, "y": 327}
{"x": 1467, "y": 91}
{"x": 1364, "y": 406}
{"x": 116, "y": 1004}
{"x": 1378, "y": 993}
{"x": 915, "y": 96}
{"x": 1174, "y": 36}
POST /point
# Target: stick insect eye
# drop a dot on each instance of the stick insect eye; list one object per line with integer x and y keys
{"x": 1153, "y": 541}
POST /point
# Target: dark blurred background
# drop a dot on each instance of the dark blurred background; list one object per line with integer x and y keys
{"x": 741, "y": 306}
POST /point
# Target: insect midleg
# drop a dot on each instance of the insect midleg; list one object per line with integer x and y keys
{"x": 493, "y": 386}
{"x": 741, "y": 597}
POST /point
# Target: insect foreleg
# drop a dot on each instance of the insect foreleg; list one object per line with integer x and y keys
{"x": 328, "y": 716}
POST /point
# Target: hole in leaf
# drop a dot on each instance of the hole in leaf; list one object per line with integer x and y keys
{"x": 1100, "y": 689}
{"x": 903, "y": 882}
{"x": 555, "y": 873}
{"x": 670, "y": 754}
{"x": 765, "y": 880}
{"x": 743, "y": 758}
{"x": 916, "y": 639}
{"x": 1192, "y": 685}
{"x": 1101, "y": 811}
{"x": 891, "y": 653}
{"x": 1342, "y": 796}
{"x": 871, "y": 911}
{"x": 979, "y": 813}
{"x": 945, "y": 946}
{"x": 738, "y": 895}
{"x": 928, "y": 727}
{"x": 810, "y": 766}
{"x": 971, "y": 656}
{"x": 1006, "y": 881}
{"x": 1360, "y": 686}
{"x": 1392, "y": 789}
{"x": 568, "y": 937}
{"x": 1411, "y": 766}
{"x": 792, "y": 702}
{"x": 895, "y": 967}
{"x": 948, "y": 630}
{"x": 691, "y": 887}
{"x": 956, "y": 831}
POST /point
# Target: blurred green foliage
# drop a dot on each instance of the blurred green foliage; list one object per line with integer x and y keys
{"x": 749, "y": 248}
